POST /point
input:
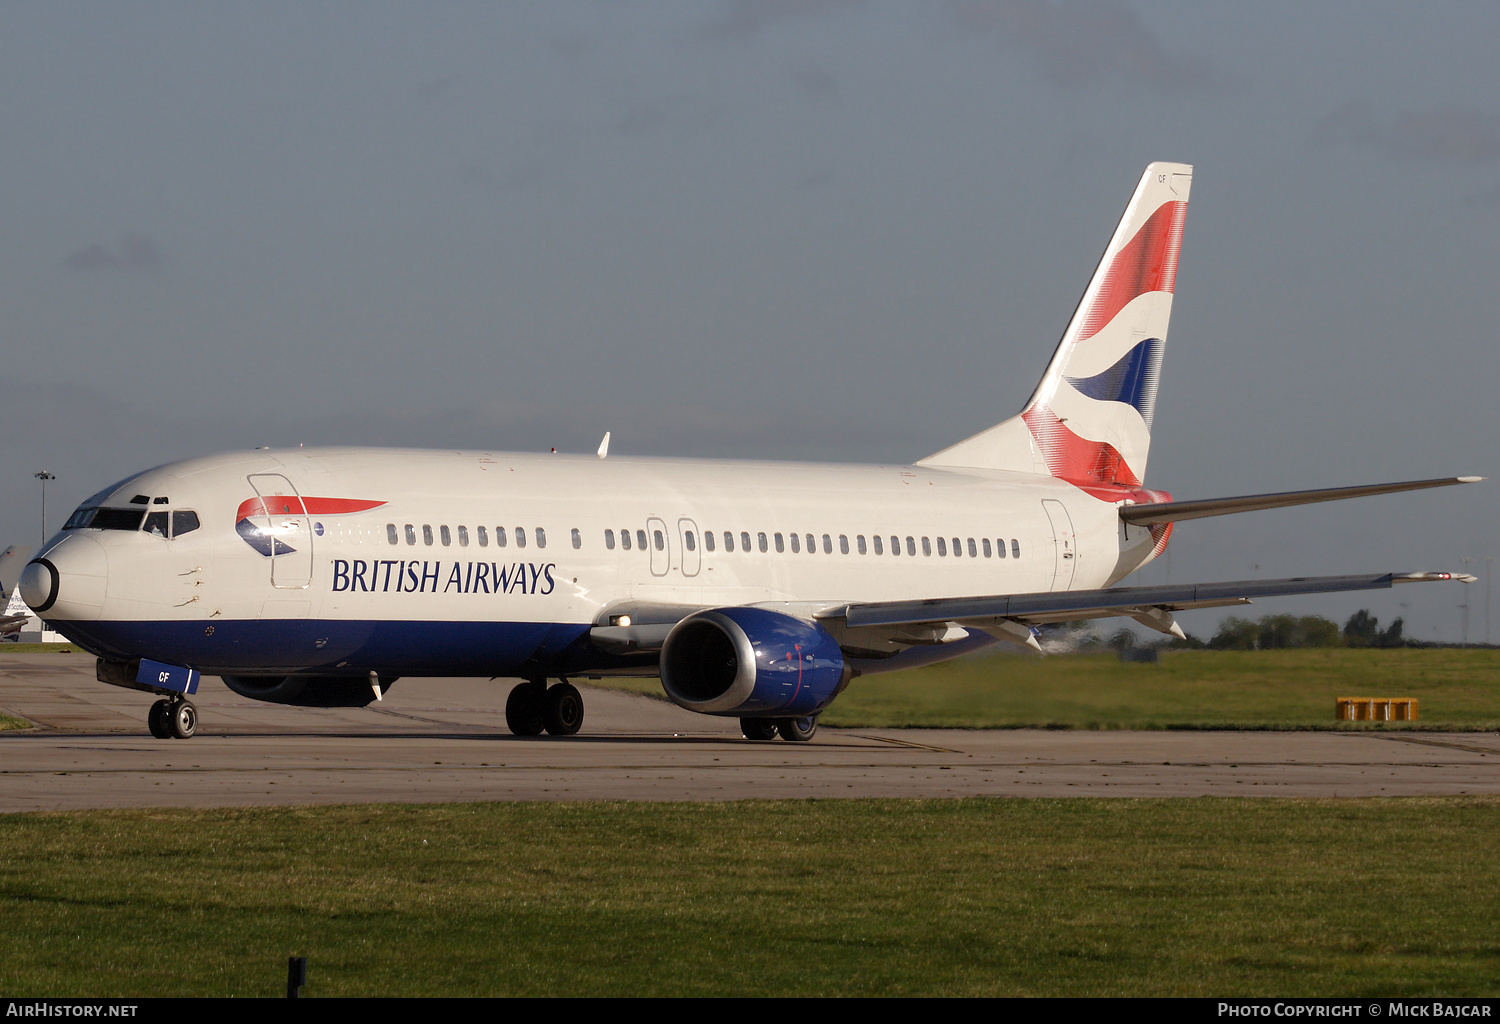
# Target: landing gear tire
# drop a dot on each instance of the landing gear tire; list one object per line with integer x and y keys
{"x": 797, "y": 730}
{"x": 758, "y": 728}
{"x": 562, "y": 710}
{"x": 523, "y": 709}
{"x": 156, "y": 720}
{"x": 182, "y": 719}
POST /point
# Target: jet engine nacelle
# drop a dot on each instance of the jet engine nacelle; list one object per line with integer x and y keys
{"x": 308, "y": 691}
{"x": 750, "y": 662}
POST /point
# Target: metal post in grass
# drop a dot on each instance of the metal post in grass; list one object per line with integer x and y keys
{"x": 296, "y": 976}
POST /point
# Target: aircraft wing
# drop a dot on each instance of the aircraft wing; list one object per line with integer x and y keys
{"x": 1153, "y": 513}
{"x": 1007, "y": 615}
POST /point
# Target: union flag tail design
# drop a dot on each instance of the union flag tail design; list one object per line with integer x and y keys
{"x": 1089, "y": 420}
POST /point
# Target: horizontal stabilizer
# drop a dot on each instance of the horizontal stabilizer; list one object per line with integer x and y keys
{"x": 1175, "y": 511}
{"x": 1079, "y": 604}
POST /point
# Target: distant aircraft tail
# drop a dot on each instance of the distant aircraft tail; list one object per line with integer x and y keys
{"x": 1089, "y": 420}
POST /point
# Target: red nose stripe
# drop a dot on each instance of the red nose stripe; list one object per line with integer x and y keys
{"x": 291, "y": 505}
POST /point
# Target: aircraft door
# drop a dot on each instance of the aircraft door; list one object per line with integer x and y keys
{"x": 1064, "y": 543}
{"x": 280, "y": 519}
{"x": 689, "y": 537}
{"x": 657, "y": 537}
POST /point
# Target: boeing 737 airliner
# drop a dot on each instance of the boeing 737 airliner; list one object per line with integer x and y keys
{"x": 316, "y": 577}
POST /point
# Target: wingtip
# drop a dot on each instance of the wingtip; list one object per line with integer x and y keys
{"x": 1470, "y": 479}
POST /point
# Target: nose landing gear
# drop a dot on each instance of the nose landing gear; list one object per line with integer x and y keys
{"x": 173, "y": 719}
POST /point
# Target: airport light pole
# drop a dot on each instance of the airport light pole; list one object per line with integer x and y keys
{"x": 44, "y": 476}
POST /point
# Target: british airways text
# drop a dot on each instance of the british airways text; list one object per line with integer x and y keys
{"x": 414, "y": 577}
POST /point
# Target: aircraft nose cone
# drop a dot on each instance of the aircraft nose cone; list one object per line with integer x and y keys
{"x": 38, "y": 585}
{"x": 68, "y": 581}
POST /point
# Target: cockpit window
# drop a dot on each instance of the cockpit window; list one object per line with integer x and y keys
{"x": 118, "y": 518}
{"x": 184, "y": 521}
{"x": 156, "y": 524}
{"x": 80, "y": 518}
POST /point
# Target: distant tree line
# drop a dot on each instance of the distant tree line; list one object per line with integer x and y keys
{"x": 1270, "y": 632}
{"x": 1278, "y": 632}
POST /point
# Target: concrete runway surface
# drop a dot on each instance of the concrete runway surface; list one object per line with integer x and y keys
{"x": 441, "y": 740}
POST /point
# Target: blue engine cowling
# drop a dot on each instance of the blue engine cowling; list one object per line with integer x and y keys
{"x": 750, "y": 662}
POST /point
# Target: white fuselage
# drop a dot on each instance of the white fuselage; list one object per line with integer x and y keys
{"x": 456, "y": 546}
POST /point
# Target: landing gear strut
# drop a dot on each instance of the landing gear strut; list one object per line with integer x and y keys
{"x": 173, "y": 719}
{"x": 533, "y": 708}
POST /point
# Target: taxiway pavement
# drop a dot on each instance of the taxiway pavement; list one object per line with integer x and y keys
{"x": 442, "y": 740}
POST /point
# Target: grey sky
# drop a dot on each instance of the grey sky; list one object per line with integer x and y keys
{"x": 821, "y": 229}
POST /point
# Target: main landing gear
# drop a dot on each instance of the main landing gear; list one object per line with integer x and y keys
{"x": 795, "y": 730}
{"x": 173, "y": 719}
{"x": 533, "y": 707}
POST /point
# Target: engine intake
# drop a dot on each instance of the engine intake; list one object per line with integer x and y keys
{"x": 751, "y": 662}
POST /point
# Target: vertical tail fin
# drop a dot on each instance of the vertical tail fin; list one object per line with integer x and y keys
{"x": 1089, "y": 420}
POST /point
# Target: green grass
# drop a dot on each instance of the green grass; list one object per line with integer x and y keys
{"x": 1286, "y": 689}
{"x": 857, "y": 897}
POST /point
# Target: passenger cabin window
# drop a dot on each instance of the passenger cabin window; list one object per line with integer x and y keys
{"x": 780, "y": 543}
{"x": 878, "y": 549}
{"x": 577, "y": 538}
{"x": 426, "y": 534}
{"x": 688, "y": 541}
{"x": 728, "y": 541}
{"x": 609, "y": 540}
{"x": 911, "y": 546}
{"x": 926, "y": 547}
{"x": 446, "y": 535}
{"x": 745, "y": 541}
{"x": 812, "y": 544}
{"x": 796, "y": 545}
{"x": 843, "y": 544}
{"x": 483, "y": 535}
{"x": 185, "y": 520}
{"x": 541, "y": 537}
{"x": 827, "y": 544}
{"x": 501, "y": 537}
{"x": 986, "y": 543}
{"x": 942, "y": 545}
{"x": 463, "y": 536}
{"x": 520, "y": 536}
{"x": 661, "y": 542}
{"x": 391, "y": 533}
{"x": 762, "y": 539}
{"x": 625, "y": 539}
{"x": 957, "y": 548}
{"x": 708, "y": 540}
{"x": 156, "y": 524}
{"x": 640, "y": 539}
{"x": 1015, "y": 548}
{"x": 860, "y": 540}
{"x": 411, "y": 534}
{"x": 999, "y": 547}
